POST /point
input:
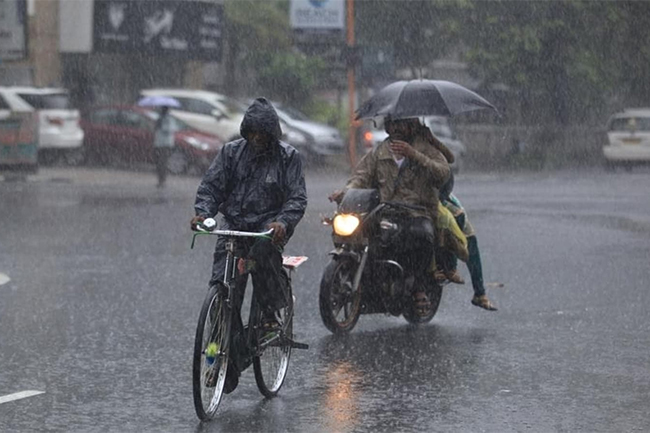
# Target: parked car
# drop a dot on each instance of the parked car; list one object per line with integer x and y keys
{"x": 59, "y": 133}
{"x": 628, "y": 134}
{"x": 371, "y": 136}
{"x": 124, "y": 134}
{"x": 311, "y": 138}
{"x": 206, "y": 111}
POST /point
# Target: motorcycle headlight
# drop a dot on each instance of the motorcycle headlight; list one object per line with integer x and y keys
{"x": 345, "y": 225}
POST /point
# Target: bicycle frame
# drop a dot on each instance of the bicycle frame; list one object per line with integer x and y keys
{"x": 229, "y": 281}
{"x": 241, "y": 345}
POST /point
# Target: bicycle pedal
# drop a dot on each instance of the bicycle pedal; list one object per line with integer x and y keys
{"x": 296, "y": 345}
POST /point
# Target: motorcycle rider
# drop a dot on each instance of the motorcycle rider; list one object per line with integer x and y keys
{"x": 256, "y": 183}
{"x": 406, "y": 168}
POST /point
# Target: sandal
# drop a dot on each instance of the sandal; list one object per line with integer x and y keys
{"x": 483, "y": 302}
{"x": 454, "y": 277}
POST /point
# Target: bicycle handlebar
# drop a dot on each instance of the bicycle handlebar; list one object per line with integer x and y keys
{"x": 235, "y": 233}
{"x": 229, "y": 233}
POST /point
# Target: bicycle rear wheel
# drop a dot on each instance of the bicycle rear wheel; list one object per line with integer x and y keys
{"x": 211, "y": 348}
{"x": 274, "y": 350}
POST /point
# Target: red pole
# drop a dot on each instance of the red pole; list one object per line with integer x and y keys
{"x": 352, "y": 142}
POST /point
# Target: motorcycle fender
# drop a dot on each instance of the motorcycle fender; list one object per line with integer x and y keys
{"x": 340, "y": 252}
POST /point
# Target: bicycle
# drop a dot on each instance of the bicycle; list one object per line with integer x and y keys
{"x": 220, "y": 321}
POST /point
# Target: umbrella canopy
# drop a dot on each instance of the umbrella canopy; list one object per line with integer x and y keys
{"x": 415, "y": 98}
{"x": 159, "y": 101}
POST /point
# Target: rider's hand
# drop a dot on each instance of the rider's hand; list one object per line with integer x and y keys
{"x": 401, "y": 148}
{"x": 336, "y": 196}
{"x": 279, "y": 231}
{"x": 196, "y": 221}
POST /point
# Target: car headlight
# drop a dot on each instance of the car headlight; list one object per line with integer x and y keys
{"x": 345, "y": 224}
{"x": 295, "y": 137}
{"x": 194, "y": 142}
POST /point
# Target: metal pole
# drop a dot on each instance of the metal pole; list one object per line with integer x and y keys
{"x": 352, "y": 142}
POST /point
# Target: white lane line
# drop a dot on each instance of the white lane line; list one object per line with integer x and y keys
{"x": 19, "y": 395}
{"x": 4, "y": 278}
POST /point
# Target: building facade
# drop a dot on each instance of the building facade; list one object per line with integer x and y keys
{"x": 105, "y": 51}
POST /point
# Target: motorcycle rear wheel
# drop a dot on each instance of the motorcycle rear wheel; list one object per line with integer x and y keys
{"x": 434, "y": 293}
{"x": 340, "y": 307}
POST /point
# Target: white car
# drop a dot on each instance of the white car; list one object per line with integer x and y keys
{"x": 206, "y": 111}
{"x": 438, "y": 125}
{"x": 628, "y": 134}
{"x": 59, "y": 132}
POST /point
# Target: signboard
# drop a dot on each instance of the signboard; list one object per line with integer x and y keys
{"x": 318, "y": 22}
{"x": 13, "y": 29}
{"x": 191, "y": 28}
{"x": 317, "y": 14}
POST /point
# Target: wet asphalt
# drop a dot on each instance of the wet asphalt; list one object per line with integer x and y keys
{"x": 103, "y": 293}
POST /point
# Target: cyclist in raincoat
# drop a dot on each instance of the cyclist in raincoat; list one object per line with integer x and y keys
{"x": 256, "y": 183}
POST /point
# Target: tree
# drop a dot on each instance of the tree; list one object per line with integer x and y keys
{"x": 417, "y": 32}
{"x": 253, "y": 29}
{"x": 566, "y": 60}
{"x": 290, "y": 77}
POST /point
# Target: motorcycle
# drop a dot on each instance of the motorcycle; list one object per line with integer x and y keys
{"x": 366, "y": 274}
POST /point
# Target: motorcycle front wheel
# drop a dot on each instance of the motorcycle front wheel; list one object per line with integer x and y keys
{"x": 340, "y": 305}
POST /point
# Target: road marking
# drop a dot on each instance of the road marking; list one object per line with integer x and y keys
{"x": 19, "y": 395}
{"x": 4, "y": 278}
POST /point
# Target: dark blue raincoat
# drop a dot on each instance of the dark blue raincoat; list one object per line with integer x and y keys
{"x": 252, "y": 189}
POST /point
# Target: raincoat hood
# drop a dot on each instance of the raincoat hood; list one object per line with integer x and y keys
{"x": 261, "y": 117}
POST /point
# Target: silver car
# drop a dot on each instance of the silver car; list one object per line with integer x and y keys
{"x": 311, "y": 138}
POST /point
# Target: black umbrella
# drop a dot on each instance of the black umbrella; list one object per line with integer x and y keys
{"x": 416, "y": 98}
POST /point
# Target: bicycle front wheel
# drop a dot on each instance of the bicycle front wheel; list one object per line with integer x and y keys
{"x": 211, "y": 347}
{"x": 274, "y": 349}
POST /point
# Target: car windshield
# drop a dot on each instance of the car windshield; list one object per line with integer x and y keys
{"x": 177, "y": 124}
{"x": 57, "y": 101}
{"x": 630, "y": 124}
{"x": 231, "y": 106}
{"x": 293, "y": 113}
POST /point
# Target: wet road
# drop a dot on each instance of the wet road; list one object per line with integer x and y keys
{"x": 103, "y": 295}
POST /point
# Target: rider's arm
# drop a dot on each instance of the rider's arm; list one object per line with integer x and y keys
{"x": 295, "y": 192}
{"x": 212, "y": 190}
{"x": 363, "y": 173}
{"x": 434, "y": 162}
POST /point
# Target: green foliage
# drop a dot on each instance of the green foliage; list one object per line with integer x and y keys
{"x": 565, "y": 59}
{"x": 290, "y": 77}
{"x": 259, "y": 41}
{"x": 417, "y": 31}
{"x": 257, "y": 25}
{"x": 253, "y": 29}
